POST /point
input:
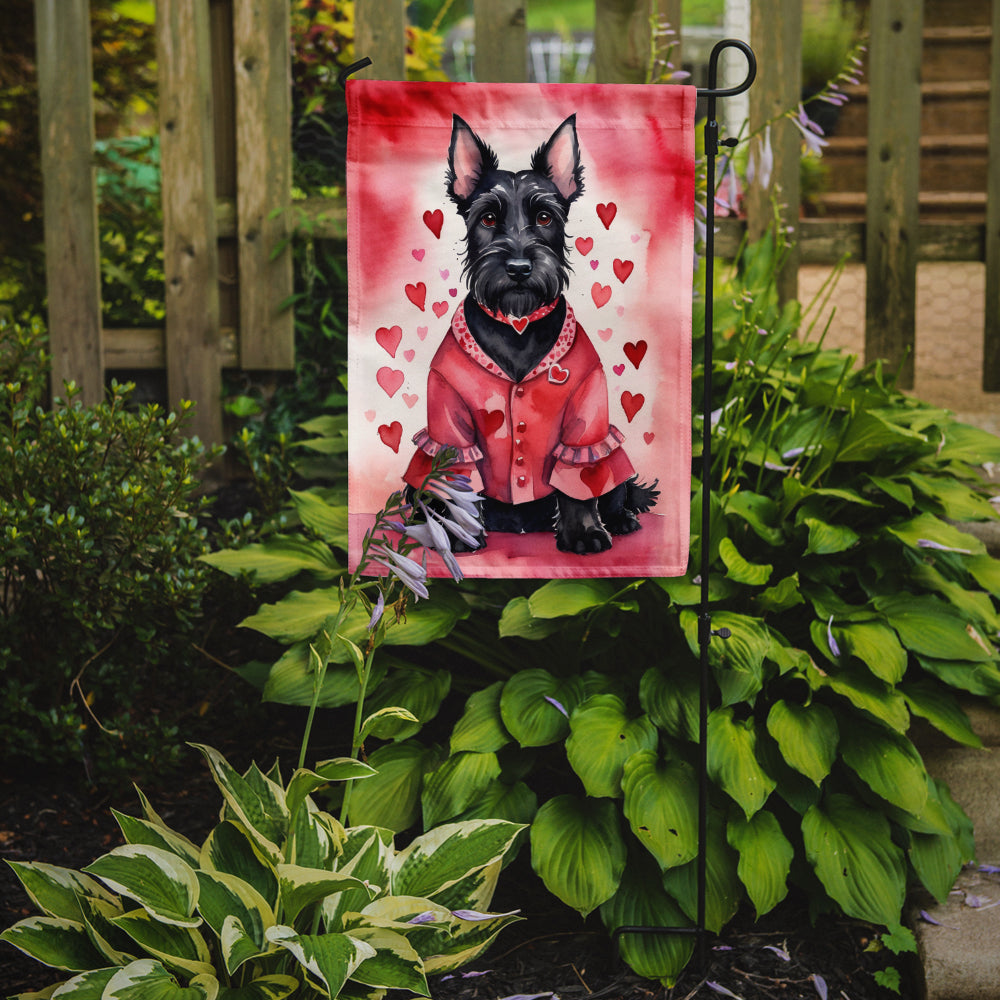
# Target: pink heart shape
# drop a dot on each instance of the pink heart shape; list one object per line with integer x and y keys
{"x": 636, "y": 237}
{"x": 453, "y": 292}
{"x": 600, "y": 294}
{"x": 434, "y": 221}
{"x": 606, "y": 213}
{"x": 410, "y": 399}
{"x": 648, "y": 436}
{"x": 418, "y": 254}
{"x": 620, "y": 310}
{"x": 618, "y": 369}
{"x": 417, "y": 294}
{"x": 409, "y": 355}
{"x": 389, "y": 339}
{"x": 605, "y": 335}
{"x": 594, "y": 264}
{"x": 440, "y": 308}
{"x": 584, "y": 244}
{"x": 421, "y": 332}
{"x": 444, "y": 272}
{"x": 369, "y": 415}
{"x": 390, "y": 379}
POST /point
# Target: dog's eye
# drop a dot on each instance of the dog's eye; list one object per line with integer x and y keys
{"x": 489, "y": 220}
{"x": 543, "y": 219}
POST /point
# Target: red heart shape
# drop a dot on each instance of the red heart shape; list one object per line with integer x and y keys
{"x": 389, "y": 338}
{"x": 636, "y": 352}
{"x": 520, "y": 323}
{"x": 648, "y": 436}
{"x": 417, "y": 294}
{"x": 618, "y": 369}
{"x": 623, "y": 268}
{"x": 595, "y": 478}
{"x": 434, "y": 221}
{"x": 606, "y": 213}
{"x": 390, "y": 379}
{"x": 391, "y": 434}
{"x": 492, "y": 420}
{"x": 584, "y": 244}
{"x": 558, "y": 375}
{"x": 632, "y": 404}
{"x": 601, "y": 294}
{"x": 440, "y": 308}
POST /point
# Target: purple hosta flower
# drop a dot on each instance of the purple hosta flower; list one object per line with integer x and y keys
{"x": 719, "y": 988}
{"x": 558, "y": 705}
{"x": 410, "y": 573}
{"x": 460, "y": 500}
{"x": 989, "y": 869}
{"x": 531, "y": 996}
{"x": 812, "y": 134}
{"x": 727, "y": 199}
{"x": 927, "y": 543}
{"x": 465, "y": 975}
{"x": 475, "y": 915}
{"x": 927, "y": 918}
{"x": 760, "y": 165}
{"x": 820, "y": 984}
{"x": 431, "y": 535}
{"x": 377, "y": 612}
{"x": 427, "y": 917}
{"x": 834, "y": 648}
{"x": 780, "y": 952}
{"x": 457, "y": 529}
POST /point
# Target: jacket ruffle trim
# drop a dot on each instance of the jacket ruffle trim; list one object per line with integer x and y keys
{"x": 591, "y": 453}
{"x": 429, "y": 446}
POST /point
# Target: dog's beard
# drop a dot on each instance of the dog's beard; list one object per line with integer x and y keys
{"x": 493, "y": 288}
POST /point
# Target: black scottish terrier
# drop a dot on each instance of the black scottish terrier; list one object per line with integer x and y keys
{"x": 516, "y": 266}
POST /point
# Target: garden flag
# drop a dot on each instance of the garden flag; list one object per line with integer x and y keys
{"x": 520, "y": 271}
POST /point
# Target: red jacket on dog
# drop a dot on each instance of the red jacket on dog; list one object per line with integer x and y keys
{"x": 519, "y": 441}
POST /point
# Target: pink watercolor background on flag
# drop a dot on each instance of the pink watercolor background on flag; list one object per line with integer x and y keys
{"x": 405, "y": 243}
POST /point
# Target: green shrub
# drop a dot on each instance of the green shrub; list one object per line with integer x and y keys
{"x": 99, "y": 542}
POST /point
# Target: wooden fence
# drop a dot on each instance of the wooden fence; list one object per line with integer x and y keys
{"x": 226, "y": 161}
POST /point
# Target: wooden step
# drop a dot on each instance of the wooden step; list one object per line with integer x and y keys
{"x": 956, "y": 53}
{"x": 957, "y": 206}
{"x": 940, "y": 13}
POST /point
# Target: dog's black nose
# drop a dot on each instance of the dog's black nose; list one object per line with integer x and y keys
{"x": 518, "y": 268}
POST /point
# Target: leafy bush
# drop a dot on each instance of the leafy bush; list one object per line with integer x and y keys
{"x": 855, "y": 604}
{"x": 279, "y": 899}
{"x": 99, "y": 541}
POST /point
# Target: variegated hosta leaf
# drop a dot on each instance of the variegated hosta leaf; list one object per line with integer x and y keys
{"x": 98, "y": 915}
{"x": 765, "y": 858}
{"x": 661, "y": 805}
{"x": 256, "y": 801}
{"x": 441, "y": 857}
{"x": 275, "y": 987}
{"x": 850, "y": 847}
{"x": 147, "y": 979}
{"x": 141, "y": 831}
{"x": 391, "y": 799}
{"x": 476, "y": 890}
{"x": 230, "y": 849}
{"x": 87, "y": 986}
{"x": 466, "y": 941}
{"x": 888, "y": 763}
{"x": 177, "y": 947}
{"x": 301, "y": 887}
{"x": 642, "y": 902}
{"x": 329, "y": 959}
{"x": 54, "y": 941}
{"x": 225, "y": 897}
{"x": 56, "y": 891}
{"x": 456, "y": 784}
{"x": 315, "y": 838}
{"x": 602, "y": 737}
{"x": 578, "y": 851}
{"x": 732, "y": 760}
{"x": 535, "y": 706}
{"x": 367, "y": 853}
{"x": 158, "y": 880}
{"x": 807, "y": 736}
{"x": 304, "y": 782}
{"x": 481, "y": 727}
{"x": 395, "y": 964}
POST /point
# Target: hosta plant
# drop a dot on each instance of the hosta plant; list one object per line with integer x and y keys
{"x": 279, "y": 900}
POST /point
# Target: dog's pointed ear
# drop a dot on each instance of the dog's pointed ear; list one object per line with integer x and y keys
{"x": 559, "y": 160}
{"x": 468, "y": 159}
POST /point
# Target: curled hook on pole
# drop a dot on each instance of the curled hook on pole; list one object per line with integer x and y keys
{"x": 350, "y": 70}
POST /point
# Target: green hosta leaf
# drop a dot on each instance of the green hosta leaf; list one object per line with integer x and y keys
{"x": 976, "y": 678}
{"x": 866, "y": 692}
{"x": 986, "y": 572}
{"x": 180, "y": 948}
{"x": 481, "y": 728}
{"x": 230, "y": 849}
{"x": 758, "y": 511}
{"x": 561, "y": 598}
{"x": 965, "y": 443}
{"x": 98, "y": 916}
{"x": 56, "y": 891}
{"x": 957, "y": 501}
{"x": 732, "y": 760}
{"x": 87, "y": 986}
{"x": 807, "y": 736}
{"x": 386, "y": 723}
{"x": 928, "y": 528}
{"x": 888, "y": 763}
{"x": 723, "y": 889}
{"x": 275, "y": 987}
{"x": 850, "y": 848}
{"x": 578, "y": 851}
{"x": 226, "y": 898}
{"x": 931, "y": 628}
{"x": 738, "y": 661}
{"x": 418, "y": 691}
{"x": 828, "y": 539}
{"x": 751, "y": 574}
{"x": 893, "y": 488}
{"x": 367, "y": 853}
{"x": 330, "y": 959}
{"x": 870, "y": 436}
{"x": 391, "y": 798}
{"x": 147, "y": 979}
{"x": 683, "y": 592}
{"x": 535, "y": 706}
{"x": 327, "y": 520}
{"x": 438, "y": 859}
{"x": 304, "y": 782}
{"x": 661, "y": 799}
{"x": 456, "y": 784}
{"x": 301, "y": 887}
{"x": 937, "y": 860}
{"x": 260, "y": 809}
{"x": 395, "y": 964}
{"x": 602, "y": 738}
{"x": 517, "y": 620}
{"x": 765, "y": 858}
{"x": 54, "y": 941}
{"x": 671, "y": 700}
{"x": 876, "y": 646}
{"x": 975, "y": 605}
{"x": 941, "y": 709}
{"x": 641, "y": 901}
{"x": 466, "y": 941}
{"x": 159, "y": 881}
{"x": 291, "y": 680}
{"x": 516, "y": 803}
{"x": 141, "y": 831}
{"x": 279, "y": 558}
{"x": 783, "y": 595}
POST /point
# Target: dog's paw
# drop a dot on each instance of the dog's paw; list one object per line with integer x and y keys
{"x": 623, "y": 522}
{"x": 584, "y": 540}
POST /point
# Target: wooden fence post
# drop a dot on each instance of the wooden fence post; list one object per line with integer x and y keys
{"x": 190, "y": 251}
{"x": 501, "y": 41}
{"x": 991, "y": 333}
{"x": 262, "y": 61}
{"x": 622, "y": 40}
{"x": 72, "y": 255}
{"x": 776, "y": 35}
{"x": 892, "y": 214}
{"x": 380, "y": 34}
